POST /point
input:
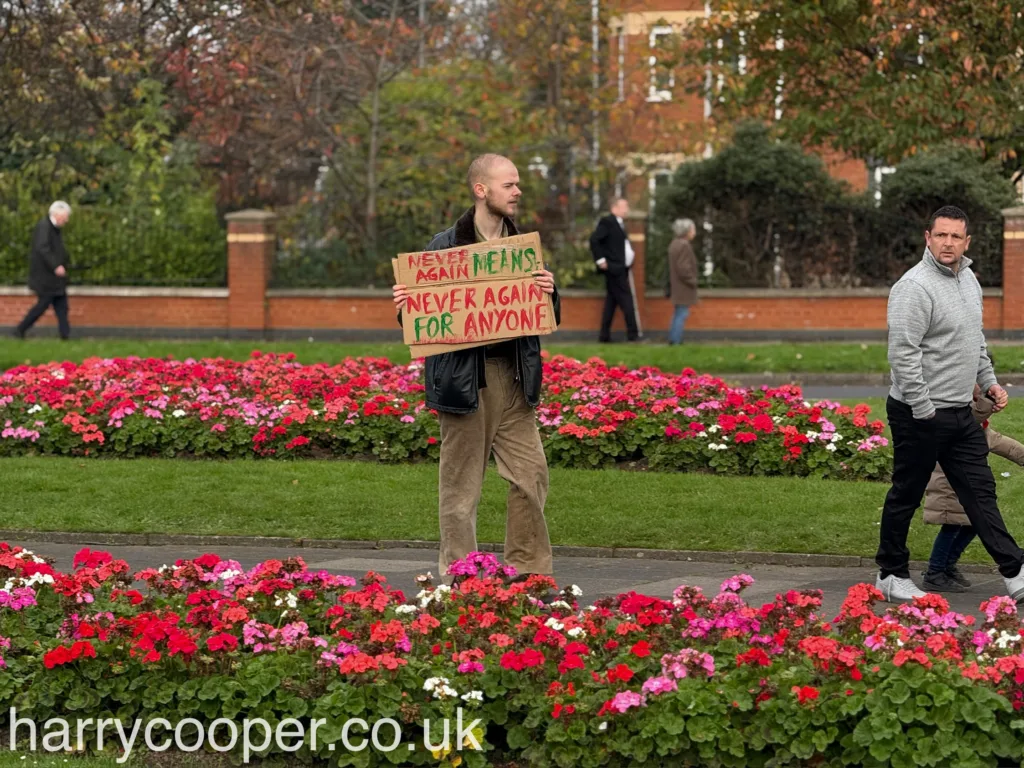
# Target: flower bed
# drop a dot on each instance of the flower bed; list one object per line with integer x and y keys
{"x": 694, "y": 680}
{"x": 590, "y": 416}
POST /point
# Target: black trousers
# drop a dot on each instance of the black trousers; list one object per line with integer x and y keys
{"x": 60, "y": 308}
{"x": 957, "y": 442}
{"x": 618, "y": 295}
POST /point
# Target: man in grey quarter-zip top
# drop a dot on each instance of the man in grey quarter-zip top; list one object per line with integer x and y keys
{"x": 937, "y": 353}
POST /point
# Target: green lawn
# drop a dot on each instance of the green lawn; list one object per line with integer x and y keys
{"x": 713, "y": 358}
{"x": 361, "y": 500}
{"x": 710, "y": 357}
{"x": 364, "y": 500}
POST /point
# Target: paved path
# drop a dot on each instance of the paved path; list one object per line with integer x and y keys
{"x": 846, "y": 394}
{"x": 597, "y": 577}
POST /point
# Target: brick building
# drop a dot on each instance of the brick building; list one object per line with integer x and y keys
{"x": 658, "y": 123}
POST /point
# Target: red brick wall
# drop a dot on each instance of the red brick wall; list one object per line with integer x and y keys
{"x": 725, "y": 311}
{"x": 159, "y": 312}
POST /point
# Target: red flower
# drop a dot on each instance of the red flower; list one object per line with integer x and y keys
{"x": 745, "y": 437}
{"x": 559, "y": 709}
{"x": 805, "y": 694}
{"x": 181, "y": 642}
{"x": 641, "y": 649}
{"x": 431, "y": 441}
{"x": 56, "y": 657}
{"x": 83, "y": 648}
{"x": 571, "y": 661}
{"x": 297, "y": 442}
{"x": 89, "y": 559}
{"x": 207, "y": 561}
{"x": 620, "y": 672}
{"x": 222, "y": 641}
{"x": 755, "y": 656}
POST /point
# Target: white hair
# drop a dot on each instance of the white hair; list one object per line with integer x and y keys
{"x": 60, "y": 207}
{"x": 681, "y": 227}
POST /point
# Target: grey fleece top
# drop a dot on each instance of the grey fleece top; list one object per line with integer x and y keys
{"x": 937, "y": 349}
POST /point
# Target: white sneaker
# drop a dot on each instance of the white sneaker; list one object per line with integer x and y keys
{"x": 895, "y": 589}
{"x": 1015, "y": 586}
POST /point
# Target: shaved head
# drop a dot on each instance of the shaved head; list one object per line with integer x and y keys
{"x": 494, "y": 184}
{"x": 483, "y": 169}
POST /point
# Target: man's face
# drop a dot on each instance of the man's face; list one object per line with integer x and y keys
{"x": 502, "y": 190}
{"x": 620, "y": 208}
{"x": 61, "y": 218}
{"x": 948, "y": 240}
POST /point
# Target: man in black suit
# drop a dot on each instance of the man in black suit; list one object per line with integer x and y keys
{"x": 48, "y": 271}
{"x": 613, "y": 255}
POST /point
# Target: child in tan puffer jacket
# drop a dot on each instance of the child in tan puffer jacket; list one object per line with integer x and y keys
{"x": 941, "y": 507}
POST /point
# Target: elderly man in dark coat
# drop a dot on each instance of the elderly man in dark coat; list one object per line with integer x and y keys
{"x": 48, "y": 271}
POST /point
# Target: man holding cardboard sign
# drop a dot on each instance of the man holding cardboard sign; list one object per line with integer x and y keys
{"x": 485, "y": 382}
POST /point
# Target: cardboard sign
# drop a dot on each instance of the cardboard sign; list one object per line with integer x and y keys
{"x": 473, "y": 295}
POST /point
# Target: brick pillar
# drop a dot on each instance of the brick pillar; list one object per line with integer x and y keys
{"x": 1013, "y": 271}
{"x": 251, "y": 245}
{"x": 636, "y": 228}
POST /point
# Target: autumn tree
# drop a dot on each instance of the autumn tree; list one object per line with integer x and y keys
{"x": 288, "y": 90}
{"x": 878, "y": 79}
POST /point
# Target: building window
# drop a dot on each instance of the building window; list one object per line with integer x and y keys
{"x": 657, "y": 181}
{"x": 663, "y": 79}
{"x": 876, "y": 172}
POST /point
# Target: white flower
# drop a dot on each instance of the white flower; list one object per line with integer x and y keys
{"x": 837, "y": 438}
{"x": 178, "y": 413}
{"x": 603, "y": 726}
{"x": 812, "y": 436}
{"x": 473, "y": 696}
{"x": 830, "y": 448}
{"x": 575, "y": 591}
{"x": 577, "y": 632}
{"x": 406, "y": 609}
{"x": 561, "y": 604}
{"x": 555, "y": 624}
{"x": 35, "y": 408}
{"x": 713, "y": 428}
{"x": 432, "y": 682}
{"x": 1006, "y": 639}
{"x": 229, "y": 574}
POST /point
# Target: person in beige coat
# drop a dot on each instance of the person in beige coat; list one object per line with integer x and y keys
{"x": 941, "y": 507}
{"x": 682, "y": 266}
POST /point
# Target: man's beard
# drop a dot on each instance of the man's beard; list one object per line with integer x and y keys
{"x": 494, "y": 210}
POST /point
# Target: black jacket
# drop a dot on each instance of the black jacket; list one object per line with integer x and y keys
{"x": 48, "y": 253}
{"x": 608, "y": 242}
{"x": 453, "y": 379}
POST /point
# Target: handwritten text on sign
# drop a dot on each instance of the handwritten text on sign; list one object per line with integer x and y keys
{"x": 475, "y": 294}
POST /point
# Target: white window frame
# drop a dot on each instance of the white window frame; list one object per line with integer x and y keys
{"x": 622, "y": 63}
{"x": 879, "y": 172}
{"x": 654, "y": 94}
{"x": 652, "y": 185}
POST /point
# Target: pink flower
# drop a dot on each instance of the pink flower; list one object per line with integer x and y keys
{"x": 471, "y": 666}
{"x": 626, "y": 699}
{"x": 737, "y": 583}
{"x": 657, "y": 685}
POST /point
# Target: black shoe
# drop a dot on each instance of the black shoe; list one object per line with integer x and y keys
{"x": 940, "y": 581}
{"x": 958, "y": 576}
{"x": 18, "y": 334}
